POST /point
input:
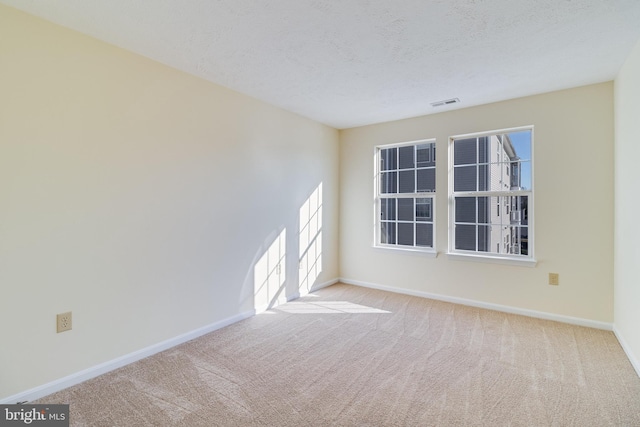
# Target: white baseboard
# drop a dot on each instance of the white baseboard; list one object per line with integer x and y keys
{"x": 84, "y": 375}
{"x": 480, "y": 304}
{"x": 103, "y": 368}
{"x": 623, "y": 343}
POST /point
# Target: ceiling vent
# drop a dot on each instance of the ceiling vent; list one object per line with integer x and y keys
{"x": 445, "y": 102}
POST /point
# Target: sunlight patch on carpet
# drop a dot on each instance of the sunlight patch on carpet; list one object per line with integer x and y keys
{"x": 329, "y": 307}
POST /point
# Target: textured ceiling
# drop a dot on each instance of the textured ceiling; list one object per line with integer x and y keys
{"x": 354, "y": 62}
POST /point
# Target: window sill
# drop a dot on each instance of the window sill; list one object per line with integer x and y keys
{"x": 525, "y": 262}
{"x": 431, "y": 253}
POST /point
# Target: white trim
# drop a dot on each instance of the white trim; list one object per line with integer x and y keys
{"x": 103, "y": 368}
{"x": 406, "y": 143}
{"x": 452, "y": 195}
{"x": 377, "y": 195}
{"x": 525, "y": 262}
{"x": 498, "y": 193}
{"x": 489, "y": 306}
{"x": 427, "y": 252}
{"x": 623, "y": 343}
{"x": 494, "y": 132}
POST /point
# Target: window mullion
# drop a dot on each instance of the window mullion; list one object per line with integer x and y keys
{"x": 477, "y": 223}
{"x": 477, "y": 164}
{"x": 491, "y": 193}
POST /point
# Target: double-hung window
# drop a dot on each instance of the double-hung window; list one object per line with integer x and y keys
{"x": 491, "y": 195}
{"x": 405, "y": 195}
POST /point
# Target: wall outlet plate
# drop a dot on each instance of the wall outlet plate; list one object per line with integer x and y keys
{"x": 554, "y": 279}
{"x": 63, "y": 322}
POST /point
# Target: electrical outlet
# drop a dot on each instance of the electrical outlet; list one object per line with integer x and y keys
{"x": 63, "y": 322}
{"x": 554, "y": 279}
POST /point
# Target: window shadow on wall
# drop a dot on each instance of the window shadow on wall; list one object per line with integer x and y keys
{"x": 269, "y": 275}
{"x": 310, "y": 241}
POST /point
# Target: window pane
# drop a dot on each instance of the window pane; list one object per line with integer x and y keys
{"x": 484, "y": 214}
{"x": 508, "y": 240}
{"x": 492, "y": 224}
{"x": 405, "y": 234}
{"x": 388, "y": 233}
{"x": 521, "y": 143}
{"x": 424, "y": 235}
{"x": 424, "y": 157}
{"x": 516, "y": 176}
{"x": 513, "y": 241}
{"x": 405, "y": 157}
{"x": 426, "y": 180}
{"x": 483, "y": 178}
{"x": 423, "y": 209}
{"x": 509, "y": 161}
{"x": 521, "y": 206}
{"x": 521, "y": 175}
{"x": 484, "y": 238}
{"x": 407, "y": 181}
{"x": 465, "y": 237}
{"x": 524, "y": 240}
{"x": 388, "y": 182}
{"x": 519, "y": 214}
{"x": 388, "y": 159}
{"x": 464, "y": 178}
{"x": 465, "y": 209}
{"x": 387, "y": 209}
{"x": 499, "y": 234}
{"x": 497, "y": 178}
{"x": 464, "y": 151}
{"x": 483, "y": 152}
{"x": 405, "y": 171}
{"x": 405, "y": 210}
{"x": 492, "y": 176}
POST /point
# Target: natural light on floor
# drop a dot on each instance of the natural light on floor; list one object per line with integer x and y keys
{"x": 328, "y": 307}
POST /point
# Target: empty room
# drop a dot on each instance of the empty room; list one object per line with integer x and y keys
{"x": 358, "y": 213}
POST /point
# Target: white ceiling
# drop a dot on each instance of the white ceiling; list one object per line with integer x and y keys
{"x": 355, "y": 62}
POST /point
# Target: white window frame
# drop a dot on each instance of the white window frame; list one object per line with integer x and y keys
{"x": 378, "y": 196}
{"x": 475, "y": 255}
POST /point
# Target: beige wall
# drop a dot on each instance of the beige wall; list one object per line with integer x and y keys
{"x": 142, "y": 199}
{"x": 627, "y": 207}
{"x": 573, "y": 153}
{"x": 138, "y": 197}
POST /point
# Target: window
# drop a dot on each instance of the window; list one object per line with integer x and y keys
{"x": 405, "y": 188}
{"x": 490, "y": 171}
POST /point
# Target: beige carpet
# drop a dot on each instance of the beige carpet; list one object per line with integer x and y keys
{"x": 350, "y": 356}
